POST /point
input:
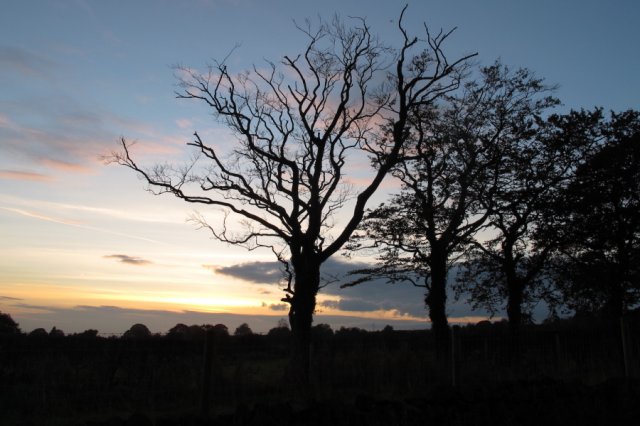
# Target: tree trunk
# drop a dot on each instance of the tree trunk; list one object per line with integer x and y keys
{"x": 303, "y": 304}
{"x": 514, "y": 314}
{"x": 514, "y": 303}
{"x": 515, "y": 293}
{"x": 614, "y": 304}
{"x": 436, "y": 301}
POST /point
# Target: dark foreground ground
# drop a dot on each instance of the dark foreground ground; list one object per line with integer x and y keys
{"x": 543, "y": 403}
{"x": 552, "y": 376}
{"x": 519, "y": 403}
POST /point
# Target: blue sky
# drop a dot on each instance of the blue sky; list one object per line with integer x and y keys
{"x": 77, "y": 235}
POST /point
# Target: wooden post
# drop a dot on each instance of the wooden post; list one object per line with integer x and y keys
{"x": 625, "y": 347}
{"x": 486, "y": 349}
{"x": 454, "y": 377}
{"x": 206, "y": 373}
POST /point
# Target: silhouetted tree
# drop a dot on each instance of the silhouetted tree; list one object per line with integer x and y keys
{"x": 88, "y": 334}
{"x": 196, "y": 332}
{"x": 322, "y": 331}
{"x": 137, "y": 331}
{"x": 178, "y": 331}
{"x": 243, "y": 330}
{"x": 450, "y": 172}
{"x": 282, "y": 331}
{"x": 597, "y": 224}
{"x": 298, "y": 126}
{"x": 56, "y": 332}
{"x": 510, "y": 265}
{"x": 7, "y": 325}
{"x": 38, "y": 333}
{"x": 220, "y": 330}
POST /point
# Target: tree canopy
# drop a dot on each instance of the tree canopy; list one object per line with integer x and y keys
{"x": 7, "y": 325}
{"x": 597, "y": 224}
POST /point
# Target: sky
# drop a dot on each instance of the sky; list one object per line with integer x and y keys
{"x": 82, "y": 245}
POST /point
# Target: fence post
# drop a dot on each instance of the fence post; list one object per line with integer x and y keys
{"x": 486, "y": 349}
{"x": 454, "y": 377}
{"x": 625, "y": 347}
{"x": 206, "y": 373}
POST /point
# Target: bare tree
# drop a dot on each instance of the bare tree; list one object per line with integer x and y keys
{"x": 295, "y": 126}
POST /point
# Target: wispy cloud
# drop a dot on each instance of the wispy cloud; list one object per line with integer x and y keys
{"x": 131, "y": 260}
{"x": 36, "y": 215}
{"x": 184, "y": 123}
{"x": 10, "y": 299}
{"x": 66, "y": 208}
{"x": 66, "y": 166}
{"x": 72, "y": 136}
{"x": 49, "y": 218}
{"x": 24, "y": 61}
{"x": 24, "y": 175}
{"x": 6, "y": 122}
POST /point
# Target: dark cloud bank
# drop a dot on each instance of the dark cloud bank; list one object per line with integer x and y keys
{"x": 405, "y": 298}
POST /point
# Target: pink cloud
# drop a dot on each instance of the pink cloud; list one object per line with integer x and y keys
{"x": 65, "y": 166}
{"x": 22, "y": 175}
{"x": 184, "y": 123}
{"x": 5, "y": 122}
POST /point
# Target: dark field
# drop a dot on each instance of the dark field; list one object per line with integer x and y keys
{"x": 557, "y": 374}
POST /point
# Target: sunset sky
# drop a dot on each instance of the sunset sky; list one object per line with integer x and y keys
{"x": 82, "y": 245}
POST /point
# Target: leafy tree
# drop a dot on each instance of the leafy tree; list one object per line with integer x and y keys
{"x": 38, "y": 333}
{"x": 178, "y": 331}
{"x": 7, "y": 325}
{"x": 137, "y": 331}
{"x": 281, "y": 331}
{"x": 322, "y": 331}
{"x": 219, "y": 330}
{"x": 88, "y": 334}
{"x": 243, "y": 330}
{"x": 510, "y": 265}
{"x": 56, "y": 332}
{"x": 299, "y": 125}
{"x": 597, "y": 224}
{"x": 449, "y": 175}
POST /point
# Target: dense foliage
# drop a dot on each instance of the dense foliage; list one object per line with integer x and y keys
{"x": 596, "y": 224}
